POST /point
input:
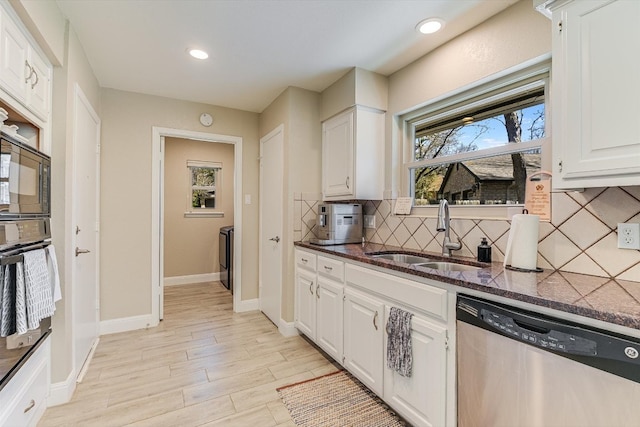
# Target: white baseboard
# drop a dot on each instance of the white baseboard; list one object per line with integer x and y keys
{"x": 287, "y": 329}
{"x": 247, "y": 305}
{"x": 62, "y": 392}
{"x": 125, "y": 324}
{"x": 193, "y": 278}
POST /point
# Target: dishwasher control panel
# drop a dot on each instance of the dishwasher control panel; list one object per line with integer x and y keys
{"x": 546, "y": 338}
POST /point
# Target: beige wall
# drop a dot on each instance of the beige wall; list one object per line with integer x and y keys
{"x": 76, "y": 71}
{"x": 127, "y": 121}
{"x": 299, "y": 111}
{"x": 517, "y": 34}
{"x": 191, "y": 244}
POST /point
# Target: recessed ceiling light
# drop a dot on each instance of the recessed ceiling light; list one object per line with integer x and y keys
{"x": 198, "y": 54}
{"x": 430, "y": 25}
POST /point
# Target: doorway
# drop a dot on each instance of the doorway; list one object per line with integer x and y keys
{"x": 158, "y": 215}
{"x": 198, "y": 203}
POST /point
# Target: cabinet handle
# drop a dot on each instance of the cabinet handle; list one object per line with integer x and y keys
{"x": 386, "y": 328}
{"x": 304, "y": 260}
{"x": 317, "y": 291}
{"x": 560, "y": 166}
{"x": 37, "y": 79}
{"x": 347, "y": 183}
{"x": 326, "y": 267}
{"x": 30, "y": 406}
{"x": 375, "y": 317}
{"x": 29, "y": 73}
{"x": 311, "y": 288}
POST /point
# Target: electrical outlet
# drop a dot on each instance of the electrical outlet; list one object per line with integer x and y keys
{"x": 628, "y": 235}
{"x": 369, "y": 221}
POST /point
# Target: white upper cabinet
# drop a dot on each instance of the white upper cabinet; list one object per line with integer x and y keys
{"x": 596, "y": 93}
{"x": 24, "y": 74}
{"x": 353, "y": 155}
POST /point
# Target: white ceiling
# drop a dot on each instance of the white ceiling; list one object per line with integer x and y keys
{"x": 257, "y": 48}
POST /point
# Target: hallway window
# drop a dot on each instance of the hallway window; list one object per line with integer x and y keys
{"x": 204, "y": 178}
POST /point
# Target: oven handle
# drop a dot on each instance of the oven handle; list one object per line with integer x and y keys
{"x": 16, "y": 255}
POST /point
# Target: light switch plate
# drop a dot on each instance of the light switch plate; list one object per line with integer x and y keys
{"x": 369, "y": 221}
{"x": 628, "y": 235}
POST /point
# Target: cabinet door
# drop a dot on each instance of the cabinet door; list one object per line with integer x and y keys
{"x": 329, "y": 317}
{"x": 39, "y": 86}
{"x": 363, "y": 338}
{"x": 421, "y": 398}
{"x": 14, "y": 71}
{"x": 306, "y": 302}
{"x": 596, "y": 82}
{"x": 337, "y": 155}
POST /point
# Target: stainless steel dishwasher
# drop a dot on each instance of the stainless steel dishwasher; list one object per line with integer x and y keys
{"x": 517, "y": 368}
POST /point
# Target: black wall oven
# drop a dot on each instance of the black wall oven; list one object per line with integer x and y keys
{"x": 25, "y": 210}
{"x": 25, "y": 180}
{"x": 17, "y": 238}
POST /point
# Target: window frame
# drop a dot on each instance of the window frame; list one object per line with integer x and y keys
{"x": 529, "y": 76}
{"x": 201, "y": 212}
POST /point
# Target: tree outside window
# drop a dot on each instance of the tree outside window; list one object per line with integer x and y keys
{"x": 204, "y": 178}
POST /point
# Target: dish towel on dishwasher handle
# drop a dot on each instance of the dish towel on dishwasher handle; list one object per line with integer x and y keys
{"x": 37, "y": 283}
{"x": 399, "y": 357}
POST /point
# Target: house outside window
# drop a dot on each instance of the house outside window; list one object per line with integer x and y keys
{"x": 204, "y": 186}
{"x": 477, "y": 147}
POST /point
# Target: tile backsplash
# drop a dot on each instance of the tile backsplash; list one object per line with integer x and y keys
{"x": 581, "y": 237}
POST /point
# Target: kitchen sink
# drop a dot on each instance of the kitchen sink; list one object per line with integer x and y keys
{"x": 447, "y": 266}
{"x": 402, "y": 258}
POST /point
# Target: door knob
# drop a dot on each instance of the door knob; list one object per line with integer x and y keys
{"x": 275, "y": 239}
{"x": 82, "y": 251}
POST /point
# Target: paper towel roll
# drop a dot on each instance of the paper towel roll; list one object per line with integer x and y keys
{"x": 522, "y": 245}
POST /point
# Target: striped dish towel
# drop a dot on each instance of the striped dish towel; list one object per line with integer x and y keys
{"x": 399, "y": 357}
{"x": 38, "y": 288}
{"x": 8, "y": 307}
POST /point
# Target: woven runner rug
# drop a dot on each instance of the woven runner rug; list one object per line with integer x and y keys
{"x": 336, "y": 399}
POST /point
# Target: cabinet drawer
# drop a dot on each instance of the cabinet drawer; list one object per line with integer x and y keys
{"x": 331, "y": 268}
{"x": 23, "y": 399}
{"x": 32, "y": 403}
{"x": 425, "y": 298}
{"x": 306, "y": 260}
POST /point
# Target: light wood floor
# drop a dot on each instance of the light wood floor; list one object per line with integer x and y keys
{"x": 204, "y": 365}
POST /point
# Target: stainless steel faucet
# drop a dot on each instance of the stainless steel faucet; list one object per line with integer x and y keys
{"x": 443, "y": 225}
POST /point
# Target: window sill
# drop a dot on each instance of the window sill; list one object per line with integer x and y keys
{"x": 204, "y": 214}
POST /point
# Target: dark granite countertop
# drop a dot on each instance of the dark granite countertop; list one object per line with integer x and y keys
{"x": 600, "y": 298}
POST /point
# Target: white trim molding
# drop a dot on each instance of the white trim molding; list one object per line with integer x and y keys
{"x": 125, "y": 324}
{"x": 246, "y": 305}
{"x": 62, "y": 392}
{"x": 193, "y": 278}
{"x": 287, "y": 329}
{"x": 157, "y": 177}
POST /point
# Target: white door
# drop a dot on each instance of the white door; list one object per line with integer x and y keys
{"x": 86, "y": 194}
{"x": 271, "y": 213}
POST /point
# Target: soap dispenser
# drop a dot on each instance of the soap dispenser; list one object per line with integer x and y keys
{"x": 484, "y": 251}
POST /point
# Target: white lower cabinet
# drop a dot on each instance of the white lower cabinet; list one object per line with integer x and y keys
{"x": 319, "y": 285}
{"x": 329, "y": 316}
{"x": 363, "y": 338}
{"x": 344, "y": 308}
{"x": 24, "y": 399}
{"x": 421, "y": 398}
{"x": 306, "y": 302}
